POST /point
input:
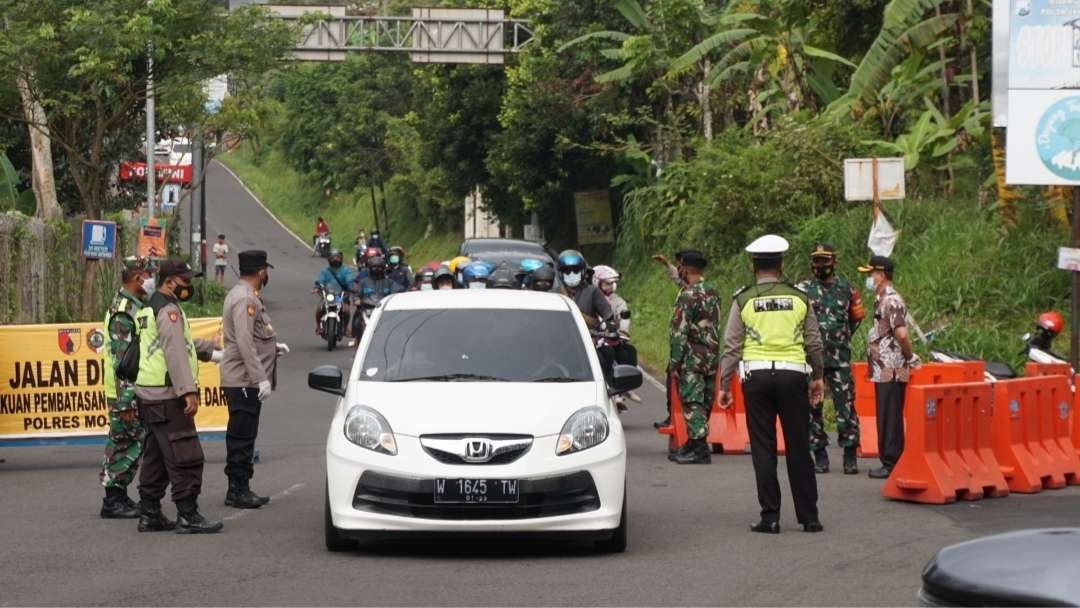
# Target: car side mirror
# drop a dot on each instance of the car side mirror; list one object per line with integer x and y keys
{"x": 328, "y": 379}
{"x": 624, "y": 378}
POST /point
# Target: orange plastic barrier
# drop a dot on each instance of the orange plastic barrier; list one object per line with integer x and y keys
{"x": 1047, "y": 369}
{"x": 928, "y": 374}
{"x": 1032, "y": 434}
{"x": 948, "y": 451}
{"x": 676, "y": 431}
{"x": 1076, "y": 416}
{"x": 728, "y": 433}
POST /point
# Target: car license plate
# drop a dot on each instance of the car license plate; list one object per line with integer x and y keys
{"x": 476, "y": 491}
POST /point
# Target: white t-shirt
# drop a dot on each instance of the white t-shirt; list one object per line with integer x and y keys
{"x": 221, "y": 250}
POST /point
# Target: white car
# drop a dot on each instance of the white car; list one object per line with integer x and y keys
{"x": 478, "y": 412}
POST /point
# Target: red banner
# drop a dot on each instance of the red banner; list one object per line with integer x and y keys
{"x": 173, "y": 174}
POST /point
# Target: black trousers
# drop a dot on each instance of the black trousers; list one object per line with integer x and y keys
{"x": 244, "y": 409}
{"x": 889, "y": 402}
{"x": 610, "y": 356}
{"x": 786, "y": 394}
{"x": 172, "y": 453}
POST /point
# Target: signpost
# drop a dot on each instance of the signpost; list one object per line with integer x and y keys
{"x": 1043, "y": 142}
{"x": 98, "y": 240}
{"x": 593, "y": 213}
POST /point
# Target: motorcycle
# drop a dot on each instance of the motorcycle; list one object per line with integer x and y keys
{"x": 362, "y": 317}
{"x": 322, "y": 245}
{"x": 995, "y": 370}
{"x": 332, "y": 304}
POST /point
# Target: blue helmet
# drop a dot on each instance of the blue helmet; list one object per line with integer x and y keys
{"x": 477, "y": 272}
{"x": 530, "y": 264}
{"x": 571, "y": 261}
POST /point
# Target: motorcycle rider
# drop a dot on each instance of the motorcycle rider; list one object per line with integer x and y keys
{"x": 606, "y": 279}
{"x": 457, "y": 268}
{"x": 424, "y": 280}
{"x": 321, "y": 229}
{"x": 377, "y": 242}
{"x": 476, "y": 275}
{"x": 336, "y": 278}
{"x": 590, "y": 301}
{"x": 398, "y": 271}
{"x": 542, "y": 279}
{"x": 503, "y": 278}
{"x": 444, "y": 278}
{"x": 362, "y": 263}
{"x": 372, "y": 289}
{"x": 526, "y": 269}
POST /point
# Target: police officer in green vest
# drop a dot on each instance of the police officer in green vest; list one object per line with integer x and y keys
{"x": 168, "y": 398}
{"x": 123, "y": 445}
{"x": 773, "y": 340}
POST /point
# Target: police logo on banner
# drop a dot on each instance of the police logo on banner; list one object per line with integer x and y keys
{"x": 69, "y": 340}
{"x": 96, "y": 340}
{"x": 1058, "y": 138}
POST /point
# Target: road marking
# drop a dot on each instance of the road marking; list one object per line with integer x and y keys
{"x": 653, "y": 381}
{"x": 282, "y": 494}
{"x": 260, "y": 203}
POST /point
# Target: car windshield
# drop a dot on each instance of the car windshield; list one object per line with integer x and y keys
{"x": 493, "y": 345}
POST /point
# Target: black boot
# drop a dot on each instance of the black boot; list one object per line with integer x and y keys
{"x": 696, "y": 451}
{"x": 190, "y": 521}
{"x": 821, "y": 461}
{"x": 880, "y": 473}
{"x": 662, "y": 423}
{"x": 851, "y": 464}
{"x": 240, "y": 496}
{"x": 117, "y": 505}
{"x": 151, "y": 519}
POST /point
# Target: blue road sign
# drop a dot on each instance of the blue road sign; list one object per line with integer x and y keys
{"x": 98, "y": 240}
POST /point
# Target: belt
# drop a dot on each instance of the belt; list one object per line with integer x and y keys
{"x": 746, "y": 367}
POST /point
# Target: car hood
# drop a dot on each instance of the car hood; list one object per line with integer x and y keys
{"x": 422, "y": 408}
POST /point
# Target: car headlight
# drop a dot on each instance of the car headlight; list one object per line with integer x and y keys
{"x": 588, "y": 427}
{"x": 368, "y": 429}
{"x": 329, "y": 297}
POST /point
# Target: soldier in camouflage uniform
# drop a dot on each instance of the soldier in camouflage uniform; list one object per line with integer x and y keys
{"x": 839, "y": 311}
{"x": 695, "y": 355}
{"x": 123, "y": 444}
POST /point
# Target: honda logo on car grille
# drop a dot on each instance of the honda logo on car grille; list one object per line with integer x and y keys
{"x": 478, "y": 450}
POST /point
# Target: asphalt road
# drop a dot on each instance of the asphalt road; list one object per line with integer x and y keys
{"x": 689, "y": 542}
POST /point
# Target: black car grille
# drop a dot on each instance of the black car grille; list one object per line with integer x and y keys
{"x": 547, "y": 497}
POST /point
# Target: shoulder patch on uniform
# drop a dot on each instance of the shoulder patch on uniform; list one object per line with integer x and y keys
{"x": 739, "y": 291}
{"x": 251, "y": 310}
{"x": 174, "y": 316}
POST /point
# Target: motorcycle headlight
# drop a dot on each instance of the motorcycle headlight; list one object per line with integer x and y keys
{"x": 368, "y": 429}
{"x": 588, "y": 427}
{"x": 329, "y": 297}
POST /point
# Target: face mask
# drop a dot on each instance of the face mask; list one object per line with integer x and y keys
{"x": 395, "y": 260}
{"x": 149, "y": 285}
{"x": 266, "y": 279}
{"x": 870, "y": 284}
{"x": 572, "y": 279}
{"x": 477, "y": 285}
{"x": 823, "y": 272}
{"x": 426, "y": 287}
{"x": 182, "y": 292}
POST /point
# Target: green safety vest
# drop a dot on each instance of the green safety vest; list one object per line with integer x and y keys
{"x": 153, "y": 371}
{"x": 774, "y": 315}
{"x": 128, "y": 305}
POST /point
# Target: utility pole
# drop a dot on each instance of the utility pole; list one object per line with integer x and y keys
{"x": 151, "y": 138}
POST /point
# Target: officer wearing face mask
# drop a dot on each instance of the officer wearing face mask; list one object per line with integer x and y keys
{"x": 123, "y": 445}
{"x": 248, "y": 373}
{"x": 839, "y": 310}
{"x": 167, "y": 393}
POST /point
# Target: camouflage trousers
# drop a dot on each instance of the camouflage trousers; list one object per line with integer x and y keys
{"x": 122, "y": 449}
{"x": 696, "y": 392}
{"x": 842, "y": 390}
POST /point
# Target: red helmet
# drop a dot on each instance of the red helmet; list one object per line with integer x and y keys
{"x": 1052, "y": 322}
{"x": 371, "y": 252}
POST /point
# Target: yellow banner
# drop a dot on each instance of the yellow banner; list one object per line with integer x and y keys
{"x": 593, "y": 214}
{"x": 51, "y": 381}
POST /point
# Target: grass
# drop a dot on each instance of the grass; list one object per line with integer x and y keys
{"x": 297, "y": 200}
{"x": 974, "y": 286}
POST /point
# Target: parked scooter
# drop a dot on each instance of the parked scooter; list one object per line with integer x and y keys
{"x": 1038, "y": 345}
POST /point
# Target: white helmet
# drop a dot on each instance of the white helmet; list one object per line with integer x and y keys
{"x": 604, "y": 273}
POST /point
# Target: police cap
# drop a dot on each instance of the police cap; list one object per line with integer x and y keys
{"x": 767, "y": 247}
{"x": 693, "y": 258}
{"x": 252, "y": 261}
{"x": 878, "y": 262}
{"x": 173, "y": 267}
{"x": 823, "y": 250}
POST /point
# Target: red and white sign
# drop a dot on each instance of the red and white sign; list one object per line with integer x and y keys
{"x": 173, "y": 174}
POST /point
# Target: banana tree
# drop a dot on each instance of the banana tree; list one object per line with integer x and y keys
{"x": 11, "y": 199}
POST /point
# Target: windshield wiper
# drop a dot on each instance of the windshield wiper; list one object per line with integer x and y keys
{"x": 451, "y": 378}
{"x": 557, "y": 379}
